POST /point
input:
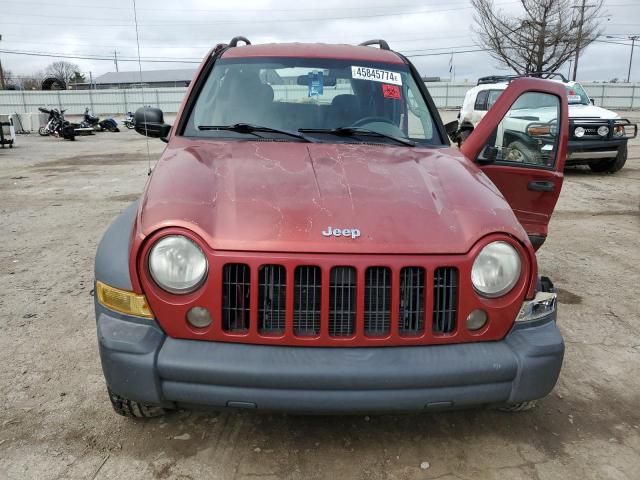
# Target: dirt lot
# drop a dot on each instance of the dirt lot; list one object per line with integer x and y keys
{"x": 56, "y": 199}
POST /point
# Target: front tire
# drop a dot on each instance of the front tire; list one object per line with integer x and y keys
{"x": 132, "y": 409}
{"x": 518, "y": 407}
{"x": 43, "y": 131}
{"x": 611, "y": 165}
{"x": 520, "y": 152}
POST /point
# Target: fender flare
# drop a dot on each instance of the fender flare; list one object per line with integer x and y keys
{"x": 112, "y": 256}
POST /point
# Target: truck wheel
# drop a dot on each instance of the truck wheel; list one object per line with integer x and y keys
{"x": 522, "y": 153}
{"x": 518, "y": 407}
{"x": 611, "y": 165}
{"x": 131, "y": 409}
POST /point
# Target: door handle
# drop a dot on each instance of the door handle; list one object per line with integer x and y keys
{"x": 541, "y": 186}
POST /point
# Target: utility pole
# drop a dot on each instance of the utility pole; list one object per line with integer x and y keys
{"x": 575, "y": 62}
{"x": 2, "y": 84}
{"x": 115, "y": 59}
{"x": 633, "y": 39}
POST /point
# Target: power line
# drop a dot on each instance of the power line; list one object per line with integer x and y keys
{"x": 245, "y": 21}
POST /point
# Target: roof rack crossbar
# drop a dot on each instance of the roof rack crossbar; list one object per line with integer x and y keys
{"x": 381, "y": 43}
{"x": 509, "y": 78}
{"x": 234, "y": 41}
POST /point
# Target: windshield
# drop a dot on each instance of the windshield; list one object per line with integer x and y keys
{"x": 576, "y": 95}
{"x": 312, "y": 94}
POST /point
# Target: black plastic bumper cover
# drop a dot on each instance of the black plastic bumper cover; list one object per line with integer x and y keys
{"x": 141, "y": 363}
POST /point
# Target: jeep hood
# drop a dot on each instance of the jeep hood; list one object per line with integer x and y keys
{"x": 281, "y": 196}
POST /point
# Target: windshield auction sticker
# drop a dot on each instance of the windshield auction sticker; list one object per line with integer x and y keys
{"x": 376, "y": 75}
{"x": 391, "y": 91}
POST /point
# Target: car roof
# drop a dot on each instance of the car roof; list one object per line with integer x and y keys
{"x": 315, "y": 50}
{"x": 503, "y": 85}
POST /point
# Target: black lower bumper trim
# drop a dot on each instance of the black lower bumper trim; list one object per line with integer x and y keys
{"x": 166, "y": 371}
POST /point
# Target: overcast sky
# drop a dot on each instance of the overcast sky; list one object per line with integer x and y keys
{"x": 187, "y": 29}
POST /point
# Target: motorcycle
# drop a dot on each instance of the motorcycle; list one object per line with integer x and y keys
{"x": 57, "y": 125}
{"x": 91, "y": 121}
{"x": 129, "y": 121}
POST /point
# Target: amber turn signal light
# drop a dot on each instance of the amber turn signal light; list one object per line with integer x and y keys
{"x": 539, "y": 130}
{"x": 123, "y": 301}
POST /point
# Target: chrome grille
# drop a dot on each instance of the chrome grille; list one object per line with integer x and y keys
{"x": 235, "y": 297}
{"x": 445, "y": 299}
{"x": 377, "y": 301}
{"x": 307, "y": 299}
{"x": 271, "y": 299}
{"x": 342, "y": 301}
{"x": 411, "y": 319}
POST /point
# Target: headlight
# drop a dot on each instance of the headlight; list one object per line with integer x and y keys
{"x": 579, "y": 132}
{"x": 618, "y": 131}
{"x": 177, "y": 264}
{"x": 496, "y": 269}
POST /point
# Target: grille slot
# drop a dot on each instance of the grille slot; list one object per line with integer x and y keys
{"x": 271, "y": 299}
{"x": 235, "y": 297}
{"x": 445, "y": 299}
{"x": 307, "y": 301}
{"x": 377, "y": 301}
{"x": 342, "y": 301}
{"x": 411, "y": 319}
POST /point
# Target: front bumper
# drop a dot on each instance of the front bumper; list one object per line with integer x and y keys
{"x": 141, "y": 363}
{"x": 585, "y": 151}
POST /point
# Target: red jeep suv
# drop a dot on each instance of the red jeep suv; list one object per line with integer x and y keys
{"x": 311, "y": 242}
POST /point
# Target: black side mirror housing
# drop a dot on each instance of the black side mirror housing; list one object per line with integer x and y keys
{"x": 458, "y": 132}
{"x": 451, "y": 128}
{"x": 593, "y": 102}
{"x": 488, "y": 155}
{"x": 150, "y": 122}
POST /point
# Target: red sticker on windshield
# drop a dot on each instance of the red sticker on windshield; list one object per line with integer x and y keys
{"x": 391, "y": 91}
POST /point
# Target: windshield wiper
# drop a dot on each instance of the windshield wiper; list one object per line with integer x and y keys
{"x": 251, "y": 129}
{"x": 353, "y": 131}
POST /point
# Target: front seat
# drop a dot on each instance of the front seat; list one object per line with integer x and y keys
{"x": 344, "y": 111}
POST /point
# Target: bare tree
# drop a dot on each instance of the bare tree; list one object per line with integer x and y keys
{"x": 62, "y": 71}
{"x": 542, "y": 38}
{"x": 31, "y": 82}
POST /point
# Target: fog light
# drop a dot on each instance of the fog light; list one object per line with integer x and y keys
{"x": 579, "y": 132}
{"x": 603, "y": 131}
{"x": 476, "y": 320}
{"x": 199, "y": 317}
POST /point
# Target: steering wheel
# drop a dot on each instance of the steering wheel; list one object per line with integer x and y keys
{"x": 365, "y": 120}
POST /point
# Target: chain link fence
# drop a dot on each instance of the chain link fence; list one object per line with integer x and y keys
{"x": 622, "y": 96}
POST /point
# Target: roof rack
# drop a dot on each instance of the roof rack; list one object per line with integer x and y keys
{"x": 509, "y": 78}
{"x": 381, "y": 43}
{"x": 234, "y": 41}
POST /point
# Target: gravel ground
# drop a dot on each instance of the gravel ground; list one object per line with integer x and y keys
{"x": 56, "y": 199}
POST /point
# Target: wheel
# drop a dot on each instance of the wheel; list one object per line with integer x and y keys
{"x": 131, "y": 409}
{"x": 611, "y": 165}
{"x": 129, "y": 125}
{"x": 518, "y": 407}
{"x": 520, "y": 152}
{"x": 43, "y": 131}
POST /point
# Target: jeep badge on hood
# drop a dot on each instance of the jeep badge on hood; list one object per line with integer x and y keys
{"x": 341, "y": 232}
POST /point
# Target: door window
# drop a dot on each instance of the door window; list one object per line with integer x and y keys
{"x": 481, "y": 100}
{"x": 528, "y": 133}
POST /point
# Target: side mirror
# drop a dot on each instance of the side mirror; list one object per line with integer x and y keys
{"x": 451, "y": 128}
{"x": 593, "y": 102}
{"x": 458, "y": 132}
{"x": 150, "y": 122}
{"x": 488, "y": 155}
